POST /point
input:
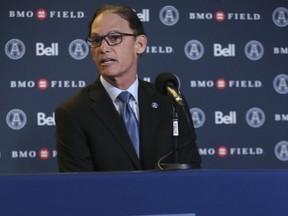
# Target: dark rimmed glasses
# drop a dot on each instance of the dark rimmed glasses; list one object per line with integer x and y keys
{"x": 112, "y": 39}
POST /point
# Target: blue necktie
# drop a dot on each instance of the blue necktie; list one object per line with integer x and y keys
{"x": 130, "y": 119}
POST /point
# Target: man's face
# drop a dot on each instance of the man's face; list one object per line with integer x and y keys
{"x": 119, "y": 60}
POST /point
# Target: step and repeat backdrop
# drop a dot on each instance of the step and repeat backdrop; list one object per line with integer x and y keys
{"x": 231, "y": 58}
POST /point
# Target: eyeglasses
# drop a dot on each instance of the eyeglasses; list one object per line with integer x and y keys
{"x": 112, "y": 39}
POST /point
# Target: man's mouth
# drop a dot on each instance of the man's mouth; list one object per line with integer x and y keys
{"x": 107, "y": 61}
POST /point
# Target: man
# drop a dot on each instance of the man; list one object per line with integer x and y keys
{"x": 91, "y": 134}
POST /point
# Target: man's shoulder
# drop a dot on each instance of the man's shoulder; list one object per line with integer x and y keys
{"x": 79, "y": 97}
{"x": 149, "y": 89}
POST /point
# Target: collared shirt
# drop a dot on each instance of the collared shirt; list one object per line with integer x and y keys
{"x": 113, "y": 92}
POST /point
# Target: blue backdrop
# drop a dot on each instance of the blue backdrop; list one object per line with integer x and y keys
{"x": 230, "y": 56}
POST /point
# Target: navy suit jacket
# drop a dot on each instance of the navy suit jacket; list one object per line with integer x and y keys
{"x": 91, "y": 135}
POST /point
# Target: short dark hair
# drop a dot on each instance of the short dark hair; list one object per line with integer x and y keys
{"x": 123, "y": 11}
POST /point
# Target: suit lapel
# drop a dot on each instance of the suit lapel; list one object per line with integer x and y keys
{"x": 104, "y": 108}
{"x": 149, "y": 116}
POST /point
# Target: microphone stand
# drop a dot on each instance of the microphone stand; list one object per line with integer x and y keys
{"x": 175, "y": 165}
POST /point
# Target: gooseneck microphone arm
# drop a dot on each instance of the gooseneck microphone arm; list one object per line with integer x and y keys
{"x": 168, "y": 84}
{"x": 175, "y": 125}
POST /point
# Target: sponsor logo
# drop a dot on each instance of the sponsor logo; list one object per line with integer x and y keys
{"x": 44, "y": 84}
{"x": 224, "y": 151}
{"x": 280, "y": 50}
{"x": 222, "y": 84}
{"x": 194, "y": 49}
{"x": 198, "y": 117}
{"x": 280, "y": 83}
{"x": 281, "y": 117}
{"x": 169, "y": 15}
{"x": 78, "y": 49}
{"x": 147, "y": 79}
{"x": 144, "y": 15}
{"x": 228, "y": 51}
{"x": 159, "y": 49}
{"x": 254, "y": 50}
{"x": 43, "y": 153}
{"x": 15, "y": 49}
{"x": 281, "y": 150}
{"x": 44, "y": 120}
{"x": 52, "y": 50}
{"x": 221, "y": 118}
{"x": 16, "y": 119}
{"x": 42, "y": 14}
{"x": 255, "y": 117}
{"x": 280, "y": 17}
{"x": 221, "y": 16}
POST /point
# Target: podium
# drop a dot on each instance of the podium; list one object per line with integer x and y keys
{"x": 186, "y": 192}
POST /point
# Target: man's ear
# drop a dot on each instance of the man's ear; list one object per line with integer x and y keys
{"x": 141, "y": 44}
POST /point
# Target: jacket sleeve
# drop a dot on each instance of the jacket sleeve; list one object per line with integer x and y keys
{"x": 73, "y": 154}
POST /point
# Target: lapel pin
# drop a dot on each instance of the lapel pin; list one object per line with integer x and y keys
{"x": 154, "y": 105}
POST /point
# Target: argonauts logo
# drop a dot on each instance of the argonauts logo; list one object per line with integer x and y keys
{"x": 255, "y": 117}
{"x": 280, "y": 17}
{"x": 78, "y": 49}
{"x": 254, "y": 50}
{"x": 16, "y": 119}
{"x": 198, "y": 117}
{"x": 280, "y": 83}
{"x": 15, "y": 49}
{"x": 194, "y": 49}
{"x": 281, "y": 150}
{"x": 169, "y": 15}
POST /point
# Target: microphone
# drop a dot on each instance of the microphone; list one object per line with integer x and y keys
{"x": 168, "y": 84}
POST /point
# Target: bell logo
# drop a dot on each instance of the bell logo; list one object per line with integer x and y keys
{"x": 220, "y": 118}
{"x": 144, "y": 16}
{"x": 225, "y": 52}
{"x": 43, "y": 120}
{"x": 48, "y": 51}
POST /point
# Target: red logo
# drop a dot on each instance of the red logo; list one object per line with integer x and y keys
{"x": 221, "y": 83}
{"x": 220, "y": 16}
{"x": 42, "y": 84}
{"x": 41, "y": 14}
{"x": 44, "y": 153}
{"x": 222, "y": 151}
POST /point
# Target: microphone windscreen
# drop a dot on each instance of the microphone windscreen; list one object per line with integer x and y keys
{"x": 166, "y": 79}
